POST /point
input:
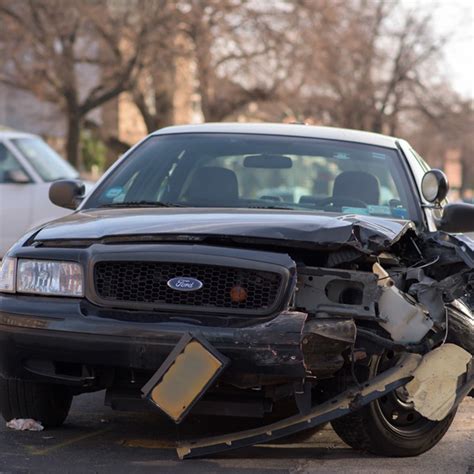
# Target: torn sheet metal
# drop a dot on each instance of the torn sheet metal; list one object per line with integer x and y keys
{"x": 340, "y": 405}
{"x": 434, "y": 387}
{"x": 324, "y": 342}
{"x": 401, "y": 316}
{"x": 337, "y": 292}
{"x": 461, "y": 325}
{"x": 460, "y": 246}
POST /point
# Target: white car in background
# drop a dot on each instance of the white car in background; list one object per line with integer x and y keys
{"x": 27, "y": 168}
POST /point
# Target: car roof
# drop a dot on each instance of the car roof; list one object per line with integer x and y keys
{"x": 9, "y": 133}
{"x": 292, "y": 130}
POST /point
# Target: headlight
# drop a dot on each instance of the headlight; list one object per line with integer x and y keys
{"x": 48, "y": 277}
{"x": 7, "y": 275}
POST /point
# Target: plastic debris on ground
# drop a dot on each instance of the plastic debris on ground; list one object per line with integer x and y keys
{"x": 20, "y": 424}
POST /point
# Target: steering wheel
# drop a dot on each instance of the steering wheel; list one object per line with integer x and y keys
{"x": 340, "y": 201}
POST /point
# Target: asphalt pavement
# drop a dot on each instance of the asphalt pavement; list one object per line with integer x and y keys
{"x": 96, "y": 439}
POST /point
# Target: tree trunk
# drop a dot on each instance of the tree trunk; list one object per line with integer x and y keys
{"x": 163, "y": 113}
{"x": 73, "y": 151}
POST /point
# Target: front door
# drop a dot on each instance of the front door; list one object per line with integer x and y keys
{"x": 16, "y": 199}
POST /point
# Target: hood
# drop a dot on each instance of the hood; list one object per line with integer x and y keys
{"x": 364, "y": 232}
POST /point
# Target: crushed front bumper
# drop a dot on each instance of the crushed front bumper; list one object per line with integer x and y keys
{"x": 350, "y": 400}
{"x": 403, "y": 373}
{"x": 39, "y": 336}
{"x": 58, "y": 331}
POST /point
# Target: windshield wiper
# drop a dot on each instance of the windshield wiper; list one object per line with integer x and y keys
{"x": 142, "y": 204}
{"x": 283, "y": 208}
{"x": 171, "y": 204}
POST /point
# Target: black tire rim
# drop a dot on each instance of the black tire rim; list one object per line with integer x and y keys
{"x": 395, "y": 412}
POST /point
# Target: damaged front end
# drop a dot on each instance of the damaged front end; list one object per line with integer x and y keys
{"x": 355, "y": 320}
{"x": 374, "y": 299}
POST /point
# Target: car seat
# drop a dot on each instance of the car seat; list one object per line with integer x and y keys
{"x": 357, "y": 185}
{"x": 213, "y": 185}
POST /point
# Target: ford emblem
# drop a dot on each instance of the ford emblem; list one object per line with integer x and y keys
{"x": 184, "y": 284}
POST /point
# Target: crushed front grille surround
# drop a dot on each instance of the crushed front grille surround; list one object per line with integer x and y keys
{"x": 146, "y": 283}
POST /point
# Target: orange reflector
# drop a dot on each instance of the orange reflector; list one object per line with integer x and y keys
{"x": 184, "y": 377}
{"x": 238, "y": 294}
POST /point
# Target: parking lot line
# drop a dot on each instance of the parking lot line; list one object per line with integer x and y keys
{"x": 44, "y": 451}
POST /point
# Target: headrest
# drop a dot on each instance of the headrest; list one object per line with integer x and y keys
{"x": 357, "y": 185}
{"x": 213, "y": 185}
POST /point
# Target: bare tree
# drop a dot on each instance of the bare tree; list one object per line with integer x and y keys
{"x": 153, "y": 93}
{"x": 443, "y": 125}
{"x": 228, "y": 43}
{"x": 236, "y": 47}
{"x": 77, "y": 55}
{"x": 362, "y": 63}
{"x": 365, "y": 64}
{"x": 154, "y": 89}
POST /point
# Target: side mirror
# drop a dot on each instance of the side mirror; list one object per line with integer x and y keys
{"x": 67, "y": 193}
{"x": 435, "y": 186}
{"x": 17, "y": 177}
{"x": 457, "y": 218}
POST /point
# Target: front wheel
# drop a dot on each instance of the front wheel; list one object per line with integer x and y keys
{"x": 46, "y": 403}
{"x": 390, "y": 426}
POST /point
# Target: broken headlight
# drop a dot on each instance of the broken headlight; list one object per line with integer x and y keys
{"x": 47, "y": 277}
{"x": 7, "y": 275}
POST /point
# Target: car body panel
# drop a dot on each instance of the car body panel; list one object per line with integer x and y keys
{"x": 290, "y": 130}
{"x": 328, "y": 317}
{"x": 23, "y": 206}
{"x": 265, "y": 224}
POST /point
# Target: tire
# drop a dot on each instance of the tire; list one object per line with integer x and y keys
{"x": 46, "y": 403}
{"x": 390, "y": 426}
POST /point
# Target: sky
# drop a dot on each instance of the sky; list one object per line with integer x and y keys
{"x": 456, "y": 18}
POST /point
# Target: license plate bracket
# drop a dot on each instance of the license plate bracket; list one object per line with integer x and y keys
{"x": 184, "y": 377}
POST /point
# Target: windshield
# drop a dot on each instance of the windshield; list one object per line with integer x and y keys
{"x": 45, "y": 161}
{"x": 259, "y": 171}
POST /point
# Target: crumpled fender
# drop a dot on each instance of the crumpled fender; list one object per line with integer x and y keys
{"x": 434, "y": 388}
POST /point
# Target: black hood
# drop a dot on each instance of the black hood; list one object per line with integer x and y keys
{"x": 364, "y": 232}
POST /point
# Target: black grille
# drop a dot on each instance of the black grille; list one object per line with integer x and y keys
{"x": 146, "y": 282}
